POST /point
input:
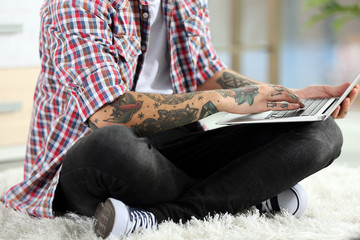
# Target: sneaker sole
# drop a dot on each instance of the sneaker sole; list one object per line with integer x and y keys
{"x": 301, "y": 197}
{"x": 105, "y": 216}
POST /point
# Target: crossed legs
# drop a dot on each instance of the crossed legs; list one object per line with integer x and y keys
{"x": 180, "y": 173}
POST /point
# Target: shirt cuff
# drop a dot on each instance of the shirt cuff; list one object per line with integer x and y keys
{"x": 102, "y": 87}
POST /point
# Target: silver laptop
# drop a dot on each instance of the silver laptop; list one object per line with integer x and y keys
{"x": 314, "y": 110}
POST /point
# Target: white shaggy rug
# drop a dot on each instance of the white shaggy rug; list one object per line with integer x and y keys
{"x": 333, "y": 214}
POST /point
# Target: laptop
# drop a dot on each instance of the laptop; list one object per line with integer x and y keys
{"x": 314, "y": 110}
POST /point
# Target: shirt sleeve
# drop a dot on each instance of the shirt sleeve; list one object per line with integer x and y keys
{"x": 208, "y": 61}
{"x": 82, "y": 54}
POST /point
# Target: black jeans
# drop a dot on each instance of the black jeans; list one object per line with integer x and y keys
{"x": 181, "y": 173}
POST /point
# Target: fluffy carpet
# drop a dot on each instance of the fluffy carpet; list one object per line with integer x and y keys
{"x": 333, "y": 214}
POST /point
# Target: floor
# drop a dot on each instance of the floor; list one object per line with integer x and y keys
{"x": 351, "y": 132}
{"x": 350, "y": 154}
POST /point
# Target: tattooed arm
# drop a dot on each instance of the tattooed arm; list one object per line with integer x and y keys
{"x": 227, "y": 79}
{"x": 273, "y": 97}
{"x": 151, "y": 113}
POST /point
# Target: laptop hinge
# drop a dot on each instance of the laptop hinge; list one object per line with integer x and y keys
{"x": 332, "y": 104}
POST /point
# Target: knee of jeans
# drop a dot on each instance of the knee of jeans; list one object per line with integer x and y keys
{"x": 105, "y": 148}
{"x": 325, "y": 142}
{"x": 115, "y": 145}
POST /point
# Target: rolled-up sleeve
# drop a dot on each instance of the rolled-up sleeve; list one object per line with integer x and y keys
{"x": 85, "y": 60}
{"x": 208, "y": 61}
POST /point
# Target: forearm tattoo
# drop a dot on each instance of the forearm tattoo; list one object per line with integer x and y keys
{"x": 208, "y": 109}
{"x": 170, "y": 99}
{"x": 229, "y": 80}
{"x": 131, "y": 107}
{"x": 93, "y": 125}
{"x": 124, "y": 109}
{"x": 167, "y": 120}
{"x": 241, "y": 95}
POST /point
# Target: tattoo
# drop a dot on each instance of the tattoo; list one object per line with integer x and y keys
{"x": 241, "y": 95}
{"x": 167, "y": 120}
{"x": 208, "y": 109}
{"x": 278, "y": 91}
{"x": 124, "y": 109}
{"x": 171, "y": 99}
{"x": 230, "y": 80}
{"x": 271, "y": 104}
{"x": 294, "y": 96}
{"x": 140, "y": 115}
{"x": 284, "y": 105}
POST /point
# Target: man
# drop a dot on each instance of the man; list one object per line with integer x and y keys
{"x": 114, "y": 131}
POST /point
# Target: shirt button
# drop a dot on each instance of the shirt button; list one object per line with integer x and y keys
{"x": 145, "y": 15}
{"x": 143, "y": 48}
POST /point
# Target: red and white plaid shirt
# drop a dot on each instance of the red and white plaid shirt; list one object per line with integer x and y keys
{"x": 92, "y": 52}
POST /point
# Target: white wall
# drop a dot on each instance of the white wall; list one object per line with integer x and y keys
{"x": 251, "y": 30}
{"x": 317, "y": 54}
{"x": 309, "y": 55}
{"x": 20, "y": 49}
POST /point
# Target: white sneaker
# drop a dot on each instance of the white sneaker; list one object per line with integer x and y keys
{"x": 293, "y": 200}
{"x": 118, "y": 220}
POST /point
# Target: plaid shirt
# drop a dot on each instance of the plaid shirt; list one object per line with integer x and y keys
{"x": 92, "y": 52}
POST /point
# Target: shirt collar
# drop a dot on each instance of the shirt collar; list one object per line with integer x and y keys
{"x": 166, "y": 2}
{"x": 144, "y": 2}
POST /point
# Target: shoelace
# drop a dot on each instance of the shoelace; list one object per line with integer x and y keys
{"x": 140, "y": 218}
{"x": 266, "y": 206}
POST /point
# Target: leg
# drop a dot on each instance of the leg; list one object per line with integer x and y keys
{"x": 115, "y": 162}
{"x": 290, "y": 153}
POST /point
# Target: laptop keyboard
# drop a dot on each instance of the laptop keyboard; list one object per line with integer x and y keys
{"x": 312, "y": 106}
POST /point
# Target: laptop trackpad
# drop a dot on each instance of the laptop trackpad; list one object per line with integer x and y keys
{"x": 237, "y": 118}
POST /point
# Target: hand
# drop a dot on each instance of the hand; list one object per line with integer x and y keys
{"x": 323, "y": 91}
{"x": 259, "y": 98}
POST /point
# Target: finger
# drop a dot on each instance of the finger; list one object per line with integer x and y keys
{"x": 336, "y": 112}
{"x": 282, "y": 106}
{"x": 293, "y": 96}
{"x": 280, "y": 93}
{"x": 353, "y": 94}
{"x": 344, "y": 109}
